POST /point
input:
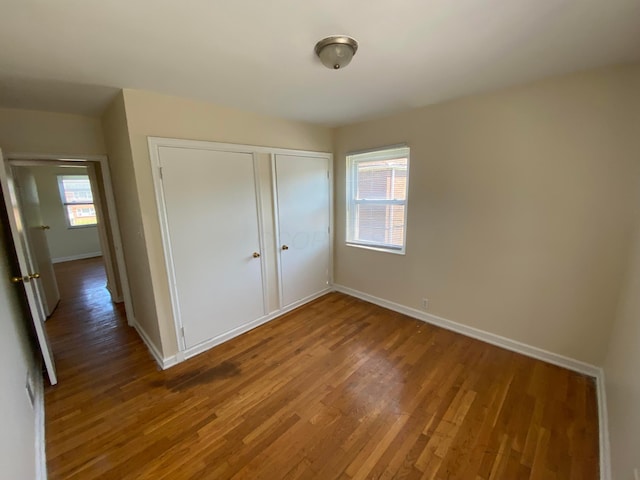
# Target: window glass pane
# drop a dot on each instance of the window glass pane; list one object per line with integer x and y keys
{"x": 80, "y": 214}
{"x": 76, "y": 189}
{"x": 380, "y": 224}
{"x": 381, "y": 179}
{"x": 77, "y": 199}
{"x": 377, "y": 182}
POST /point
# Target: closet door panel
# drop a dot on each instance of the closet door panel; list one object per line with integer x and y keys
{"x": 210, "y": 205}
{"x": 303, "y": 221}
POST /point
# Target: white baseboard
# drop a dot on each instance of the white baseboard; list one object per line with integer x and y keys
{"x": 71, "y": 258}
{"x": 169, "y": 362}
{"x": 560, "y": 360}
{"x": 114, "y": 298}
{"x": 603, "y": 427}
{"x": 492, "y": 338}
{"x": 204, "y": 346}
{"x": 530, "y": 351}
{"x": 38, "y": 405}
{"x": 162, "y": 362}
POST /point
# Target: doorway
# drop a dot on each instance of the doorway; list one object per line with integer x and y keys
{"x": 85, "y": 195}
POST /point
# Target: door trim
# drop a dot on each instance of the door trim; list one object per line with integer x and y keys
{"x": 263, "y": 262}
{"x": 276, "y": 229}
{"x": 101, "y": 161}
{"x": 155, "y": 143}
{"x": 158, "y": 188}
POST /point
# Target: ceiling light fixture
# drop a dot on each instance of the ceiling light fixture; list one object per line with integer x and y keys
{"x": 336, "y": 52}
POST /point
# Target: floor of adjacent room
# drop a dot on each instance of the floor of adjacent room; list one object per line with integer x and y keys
{"x": 337, "y": 389}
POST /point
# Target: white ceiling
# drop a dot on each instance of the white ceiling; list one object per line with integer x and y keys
{"x": 257, "y": 55}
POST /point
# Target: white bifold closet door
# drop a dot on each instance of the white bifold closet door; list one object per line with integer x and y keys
{"x": 303, "y": 190}
{"x": 214, "y": 237}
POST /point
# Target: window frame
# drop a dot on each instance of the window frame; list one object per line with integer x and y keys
{"x": 66, "y": 204}
{"x": 381, "y": 153}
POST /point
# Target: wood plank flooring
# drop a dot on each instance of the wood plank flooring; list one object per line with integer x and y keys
{"x": 338, "y": 389}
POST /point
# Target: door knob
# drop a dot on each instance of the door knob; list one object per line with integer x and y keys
{"x": 45, "y": 227}
{"x": 256, "y": 254}
{"x": 285, "y": 247}
{"x": 18, "y": 279}
{"x": 34, "y": 275}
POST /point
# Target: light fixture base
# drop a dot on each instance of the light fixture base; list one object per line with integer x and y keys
{"x": 337, "y": 39}
{"x": 336, "y": 51}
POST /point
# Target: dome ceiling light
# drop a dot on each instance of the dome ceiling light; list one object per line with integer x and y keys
{"x": 336, "y": 52}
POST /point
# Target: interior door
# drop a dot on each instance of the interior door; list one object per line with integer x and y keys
{"x": 35, "y": 232}
{"x": 213, "y": 229}
{"x": 303, "y": 225}
{"x": 27, "y": 265}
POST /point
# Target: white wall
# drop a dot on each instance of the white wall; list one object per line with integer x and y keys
{"x": 64, "y": 242}
{"x": 17, "y": 417}
{"x": 521, "y": 208}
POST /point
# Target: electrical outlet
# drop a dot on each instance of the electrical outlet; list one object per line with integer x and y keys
{"x": 425, "y": 304}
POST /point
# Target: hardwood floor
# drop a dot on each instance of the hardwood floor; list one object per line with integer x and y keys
{"x": 338, "y": 389}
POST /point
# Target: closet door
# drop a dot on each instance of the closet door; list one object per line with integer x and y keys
{"x": 212, "y": 220}
{"x": 302, "y": 185}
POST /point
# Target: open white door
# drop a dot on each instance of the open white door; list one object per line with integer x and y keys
{"x": 35, "y": 230}
{"x": 28, "y": 275}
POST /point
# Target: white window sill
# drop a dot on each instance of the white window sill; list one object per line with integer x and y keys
{"x": 375, "y": 248}
{"x": 76, "y": 227}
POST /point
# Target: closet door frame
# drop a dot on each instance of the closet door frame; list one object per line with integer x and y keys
{"x": 155, "y": 143}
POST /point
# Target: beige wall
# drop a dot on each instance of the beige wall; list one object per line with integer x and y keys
{"x": 17, "y": 435}
{"x": 150, "y": 114}
{"x": 622, "y": 363}
{"x": 622, "y": 377}
{"x": 521, "y": 204}
{"x": 63, "y": 241}
{"x": 31, "y": 131}
{"x": 521, "y": 208}
{"x": 114, "y": 122}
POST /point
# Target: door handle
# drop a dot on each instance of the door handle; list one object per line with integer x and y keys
{"x": 31, "y": 276}
{"x": 45, "y": 227}
{"x": 285, "y": 247}
{"x": 256, "y": 255}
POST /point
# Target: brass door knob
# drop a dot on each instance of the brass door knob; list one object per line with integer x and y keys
{"x": 285, "y": 247}
{"x": 34, "y": 275}
{"x": 17, "y": 279}
{"x": 45, "y": 227}
{"x": 256, "y": 254}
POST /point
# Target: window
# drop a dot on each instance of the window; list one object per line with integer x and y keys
{"x": 77, "y": 199}
{"x": 377, "y": 184}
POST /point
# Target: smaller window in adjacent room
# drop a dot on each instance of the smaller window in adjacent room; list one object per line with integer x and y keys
{"x": 77, "y": 199}
{"x": 377, "y": 185}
